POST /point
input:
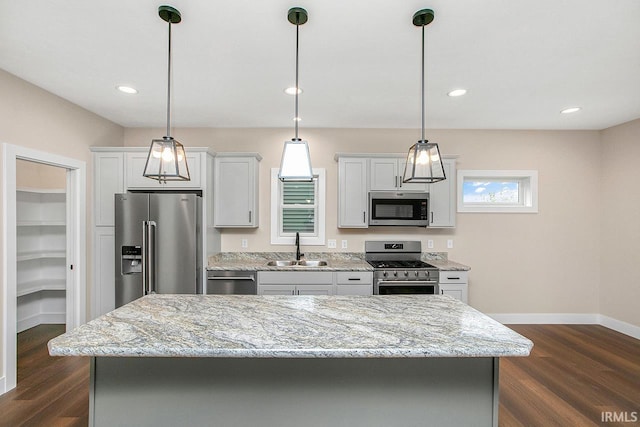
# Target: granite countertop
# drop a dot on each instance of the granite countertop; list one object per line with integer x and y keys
{"x": 337, "y": 261}
{"x": 388, "y": 326}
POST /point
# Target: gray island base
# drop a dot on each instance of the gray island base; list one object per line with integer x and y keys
{"x": 293, "y": 360}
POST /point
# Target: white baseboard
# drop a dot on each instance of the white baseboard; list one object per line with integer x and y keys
{"x": 620, "y": 326}
{"x": 3, "y": 385}
{"x": 40, "y": 319}
{"x": 547, "y": 318}
{"x": 568, "y": 319}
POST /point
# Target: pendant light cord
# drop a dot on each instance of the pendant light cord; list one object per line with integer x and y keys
{"x": 296, "y": 119}
{"x": 423, "y": 88}
{"x": 169, "y": 85}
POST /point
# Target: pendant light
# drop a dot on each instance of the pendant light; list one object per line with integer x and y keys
{"x": 424, "y": 163}
{"x": 166, "y": 160}
{"x": 296, "y": 161}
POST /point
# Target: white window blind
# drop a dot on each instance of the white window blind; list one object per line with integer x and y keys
{"x": 298, "y": 207}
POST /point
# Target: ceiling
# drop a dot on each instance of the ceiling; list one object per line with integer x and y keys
{"x": 521, "y": 61}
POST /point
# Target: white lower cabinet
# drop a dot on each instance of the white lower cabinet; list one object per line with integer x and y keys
{"x": 455, "y": 284}
{"x": 315, "y": 283}
{"x": 354, "y": 283}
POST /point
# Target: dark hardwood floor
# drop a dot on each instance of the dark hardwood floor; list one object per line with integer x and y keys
{"x": 51, "y": 391}
{"x": 577, "y": 375}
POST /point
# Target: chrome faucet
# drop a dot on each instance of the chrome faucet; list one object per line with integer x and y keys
{"x": 298, "y": 254}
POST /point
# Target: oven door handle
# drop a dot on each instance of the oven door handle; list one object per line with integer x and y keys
{"x": 407, "y": 282}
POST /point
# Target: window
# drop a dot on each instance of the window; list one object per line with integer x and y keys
{"x": 514, "y": 191}
{"x": 298, "y": 207}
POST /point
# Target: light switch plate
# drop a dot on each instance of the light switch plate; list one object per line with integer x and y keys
{"x": 331, "y": 243}
{"x": 430, "y": 244}
{"x": 344, "y": 244}
{"x": 244, "y": 243}
{"x": 450, "y": 244}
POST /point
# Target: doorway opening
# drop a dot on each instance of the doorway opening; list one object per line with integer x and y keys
{"x": 44, "y": 240}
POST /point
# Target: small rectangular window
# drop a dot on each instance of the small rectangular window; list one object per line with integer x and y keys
{"x": 497, "y": 191}
{"x": 297, "y": 207}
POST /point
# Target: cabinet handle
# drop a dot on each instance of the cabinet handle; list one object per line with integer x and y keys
{"x": 249, "y": 216}
{"x": 453, "y": 278}
{"x": 431, "y": 217}
{"x": 354, "y": 278}
{"x": 441, "y": 291}
{"x": 396, "y": 182}
{"x": 364, "y": 217}
{"x": 400, "y": 181}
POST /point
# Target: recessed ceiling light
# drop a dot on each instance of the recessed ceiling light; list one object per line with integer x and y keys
{"x": 571, "y": 110}
{"x": 292, "y": 91}
{"x": 457, "y": 92}
{"x": 126, "y": 89}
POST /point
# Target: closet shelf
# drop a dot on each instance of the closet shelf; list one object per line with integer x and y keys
{"x": 40, "y": 223}
{"x": 29, "y": 288}
{"x": 27, "y": 256}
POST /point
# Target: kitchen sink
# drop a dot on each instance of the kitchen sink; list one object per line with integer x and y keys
{"x": 301, "y": 263}
{"x": 312, "y": 263}
{"x": 282, "y": 263}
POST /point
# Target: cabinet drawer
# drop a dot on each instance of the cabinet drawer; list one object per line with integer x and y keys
{"x": 354, "y": 278}
{"x": 295, "y": 277}
{"x": 451, "y": 276}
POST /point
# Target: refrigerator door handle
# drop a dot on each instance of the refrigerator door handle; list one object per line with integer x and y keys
{"x": 148, "y": 257}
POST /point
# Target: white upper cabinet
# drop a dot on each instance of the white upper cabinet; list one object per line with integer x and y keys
{"x": 385, "y": 174}
{"x": 359, "y": 173}
{"x": 352, "y": 193}
{"x": 236, "y": 190}
{"x": 442, "y": 197}
{"x": 108, "y": 178}
{"x": 136, "y": 161}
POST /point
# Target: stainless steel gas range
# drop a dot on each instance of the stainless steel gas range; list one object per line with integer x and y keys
{"x": 399, "y": 269}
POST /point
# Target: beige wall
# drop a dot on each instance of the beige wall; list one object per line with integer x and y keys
{"x": 521, "y": 263}
{"x": 37, "y": 175}
{"x": 620, "y": 283}
{"x": 34, "y": 118}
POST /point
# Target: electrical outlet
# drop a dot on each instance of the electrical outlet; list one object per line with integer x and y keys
{"x": 344, "y": 244}
{"x": 244, "y": 243}
{"x": 430, "y": 244}
{"x": 449, "y": 243}
{"x": 331, "y": 243}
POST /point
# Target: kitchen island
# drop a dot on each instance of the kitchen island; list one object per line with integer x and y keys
{"x": 293, "y": 360}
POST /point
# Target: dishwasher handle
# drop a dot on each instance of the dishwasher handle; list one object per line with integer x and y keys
{"x": 253, "y": 279}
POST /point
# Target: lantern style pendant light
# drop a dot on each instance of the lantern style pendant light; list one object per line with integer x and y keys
{"x": 296, "y": 161}
{"x": 166, "y": 160}
{"x": 424, "y": 163}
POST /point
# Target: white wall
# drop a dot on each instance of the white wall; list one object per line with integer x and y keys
{"x": 34, "y": 118}
{"x": 521, "y": 263}
{"x": 620, "y": 243}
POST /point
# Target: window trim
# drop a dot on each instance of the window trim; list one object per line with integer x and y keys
{"x": 528, "y": 189}
{"x": 276, "y": 237}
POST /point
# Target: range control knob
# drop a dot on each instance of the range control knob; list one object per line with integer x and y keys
{"x": 406, "y": 274}
{"x": 385, "y": 274}
{"x": 395, "y": 273}
{"x": 417, "y": 273}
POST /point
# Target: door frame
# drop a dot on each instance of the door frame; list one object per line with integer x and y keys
{"x": 76, "y": 214}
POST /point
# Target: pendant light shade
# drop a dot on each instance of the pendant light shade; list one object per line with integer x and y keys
{"x": 424, "y": 163}
{"x": 296, "y": 161}
{"x": 166, "y": 160}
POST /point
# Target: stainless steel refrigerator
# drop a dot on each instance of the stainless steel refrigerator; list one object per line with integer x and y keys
{"x": 158, "y": 245}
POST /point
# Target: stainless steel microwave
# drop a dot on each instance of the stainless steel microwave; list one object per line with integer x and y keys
{"x": 399, "y": 208}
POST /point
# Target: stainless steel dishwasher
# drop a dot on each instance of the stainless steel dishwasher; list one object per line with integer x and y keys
{"x": 231, "y": 282}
